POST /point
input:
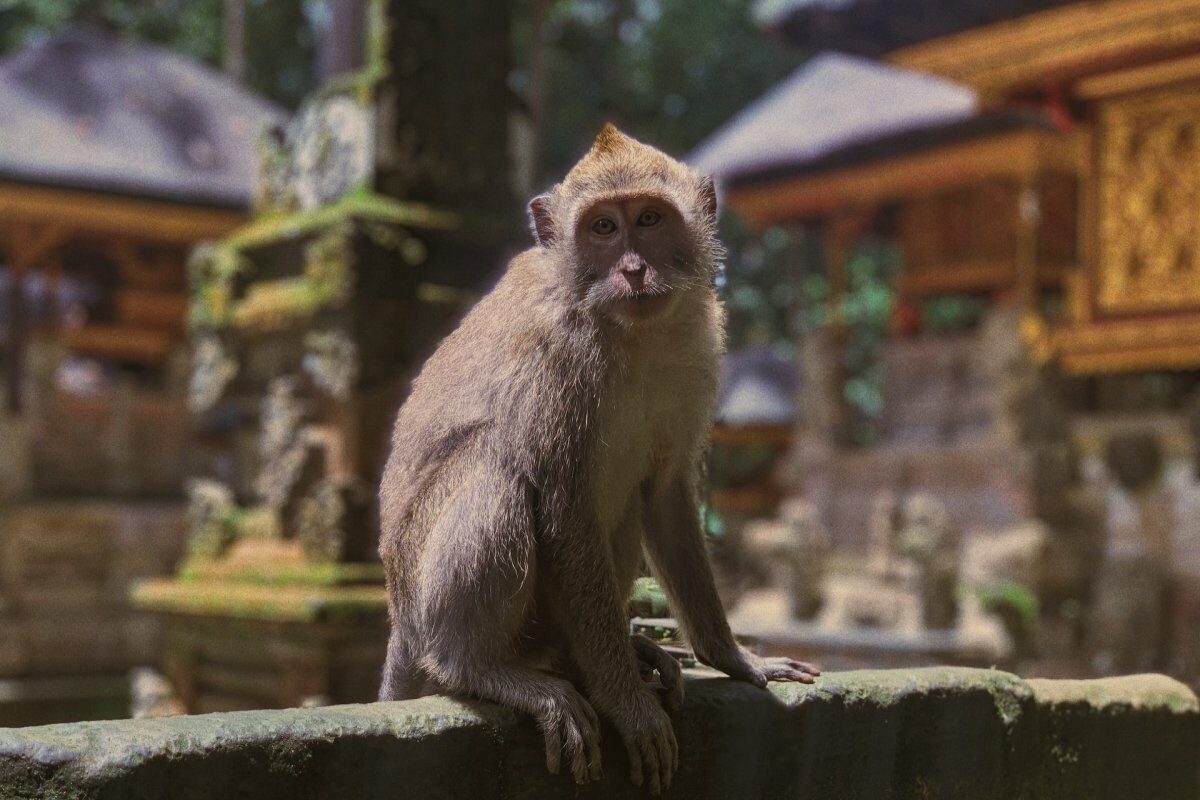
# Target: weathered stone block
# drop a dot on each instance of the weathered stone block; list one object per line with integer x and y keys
{"x": 928, "y": 733}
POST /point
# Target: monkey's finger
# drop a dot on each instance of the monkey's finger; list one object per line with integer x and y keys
{"x": 672, "y": 680}
{"x": 669, "y": 754}
{"x": 650, "y": 755}
{"x": 800, "y": 666}
{"x": 672, "y": 696}
{"x": 789, "y": 674}
{"x": 553, "y": 747}
{"x": 575, "y": 749}
{"x": 635, "y": 763}
{"x": 589, "y": 725}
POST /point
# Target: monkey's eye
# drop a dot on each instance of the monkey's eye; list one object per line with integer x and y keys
{"x": 604, "y": 227}
{"x": 649, "y": 218}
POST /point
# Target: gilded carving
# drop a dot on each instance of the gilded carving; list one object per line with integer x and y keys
{"x": 1149, "y": 203}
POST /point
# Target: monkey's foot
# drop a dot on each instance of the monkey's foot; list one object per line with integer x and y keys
{"x": 649, "y": 740}
{"x": 570, "y": 725}
{"x": 652, "y": 658}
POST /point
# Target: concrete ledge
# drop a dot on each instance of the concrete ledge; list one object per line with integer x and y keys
{"x": 922, "y": 733}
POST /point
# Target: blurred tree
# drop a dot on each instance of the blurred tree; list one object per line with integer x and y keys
{"x": 668, "y": 71}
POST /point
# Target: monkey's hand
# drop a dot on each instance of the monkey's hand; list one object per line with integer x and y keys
{"x": 650, "y": 658}
{"x": 649, "y": 739}
{"x": 743, "y": 665}
{"x": 569, "y": 724}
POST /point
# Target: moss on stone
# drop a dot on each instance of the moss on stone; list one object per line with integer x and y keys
{"x": 280, "y": 603}
{"x": 283, "y": 574}
{"x": 361, "y": 203}
{"x": 1149, "y": 692}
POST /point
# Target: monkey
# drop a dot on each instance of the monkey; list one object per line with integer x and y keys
{"x": 553, "y": 440}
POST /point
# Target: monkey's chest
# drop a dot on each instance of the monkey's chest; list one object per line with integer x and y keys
{"x": 642, "y": 426}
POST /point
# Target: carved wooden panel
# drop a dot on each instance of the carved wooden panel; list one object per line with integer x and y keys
{"x": 1149, "y": 203}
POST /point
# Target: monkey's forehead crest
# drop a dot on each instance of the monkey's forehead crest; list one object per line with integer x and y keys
{"x": 617, "y": 165}
{"x": 611, "y": 139}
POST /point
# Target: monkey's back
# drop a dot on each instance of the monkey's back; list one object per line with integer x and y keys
{"x": 487, "y": 395}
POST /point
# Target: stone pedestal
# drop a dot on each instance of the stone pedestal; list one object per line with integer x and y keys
{"x": 232, "y": 645}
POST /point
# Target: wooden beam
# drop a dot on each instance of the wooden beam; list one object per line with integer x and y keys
{"x": 1139, "y": 79}
{"x": 972, "y": 276}
{"x": 88, "y": 212}
{"x": 1019, "y": 155}
{"x": 1059, "y": 44}
{"x": 1169, "y": 342}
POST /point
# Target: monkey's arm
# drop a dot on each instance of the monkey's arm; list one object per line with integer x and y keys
{"x": 675, "y": 541}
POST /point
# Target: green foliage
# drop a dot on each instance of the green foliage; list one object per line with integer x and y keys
{"x": 1017, "y": 606}
{"x": 669, "y": 71}
{"x": 648, "y": 599}
{"x": 865, "y": 310}
{"x": 952, "y": 312}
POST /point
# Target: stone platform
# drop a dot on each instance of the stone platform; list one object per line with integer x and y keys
{"x": 944, "y": 732}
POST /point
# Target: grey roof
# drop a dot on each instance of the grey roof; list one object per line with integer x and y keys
{"x": 831, "y": 103}
{"x": 757, "y": 387}
{"x": 86, "y": 110}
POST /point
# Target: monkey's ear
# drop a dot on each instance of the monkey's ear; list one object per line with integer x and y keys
{"x": 708, "y": 197}
{"x": 540, "y": 220}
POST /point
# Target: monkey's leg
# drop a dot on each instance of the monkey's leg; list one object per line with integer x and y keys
{"x": 476, "y": 585}
{"x": 675, "y": 541}
{"x": 592, "y": 617}
{"x": 402, "y": 679}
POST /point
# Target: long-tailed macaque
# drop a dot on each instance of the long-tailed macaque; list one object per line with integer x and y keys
{"x": 554, "y": 435}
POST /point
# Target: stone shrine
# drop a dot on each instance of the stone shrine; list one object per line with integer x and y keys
{"x": 378, "y": 215}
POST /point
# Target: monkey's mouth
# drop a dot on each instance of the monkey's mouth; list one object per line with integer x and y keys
{"x": 642, "y": 305}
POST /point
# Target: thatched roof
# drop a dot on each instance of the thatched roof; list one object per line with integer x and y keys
{"x": 828, "y": 106}
{"x": 83, "y": 109}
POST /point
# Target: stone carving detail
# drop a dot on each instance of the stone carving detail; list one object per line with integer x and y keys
{"x": 212, "y": 370}
{"x": 331, "y": 362}
{"x": 926, "y": 539}
{"x": 333, "y": 150}
{"x": 210, "y": 518}
{"x": 327, "y": 519}
{"x": 281, "y": 444}
{"x": 1149, "y": 192}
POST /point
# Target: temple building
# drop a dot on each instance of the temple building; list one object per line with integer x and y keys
{"x": 116, "y": 159}
{"x": 1036, "y": 164}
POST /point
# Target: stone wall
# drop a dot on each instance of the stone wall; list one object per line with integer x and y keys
{"x": 926, "y": 733}
{"x": 68, "y": 636}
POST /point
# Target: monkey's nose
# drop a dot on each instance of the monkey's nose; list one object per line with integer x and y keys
{"x": 636, "y": 278}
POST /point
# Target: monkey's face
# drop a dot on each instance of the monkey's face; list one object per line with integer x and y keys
{"x": 633, "y": 252}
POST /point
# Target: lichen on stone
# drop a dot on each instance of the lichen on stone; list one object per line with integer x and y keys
{"x": 281, "y": 446}
{"x": 211, "y": 516}
{"x": 212, "y": 269}
{"x": 331, "y": 361}
{"x": 212, "y": 370}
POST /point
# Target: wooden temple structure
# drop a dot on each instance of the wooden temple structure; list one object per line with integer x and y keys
{"x": 1042, "y": 159}
{"x": 1072, "y": 173}
{"x": 116, "y": 159}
